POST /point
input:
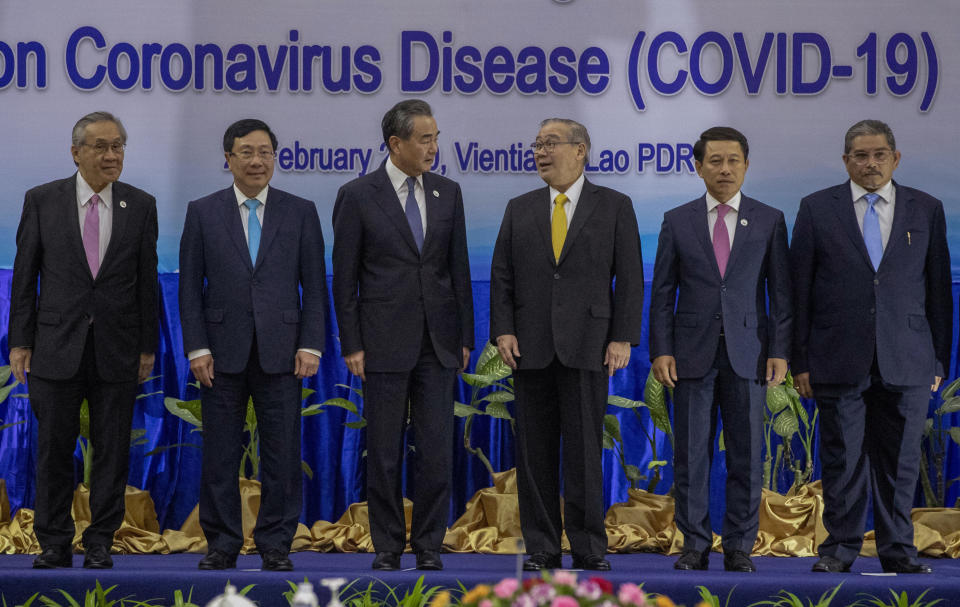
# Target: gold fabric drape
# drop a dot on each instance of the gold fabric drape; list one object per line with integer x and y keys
{"x": 790, "y": 525}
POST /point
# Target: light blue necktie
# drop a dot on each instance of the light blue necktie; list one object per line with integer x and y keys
{"x": 412, "y": 211}
{"x": 253, "y": 229}
{"x": 871, "y": 230}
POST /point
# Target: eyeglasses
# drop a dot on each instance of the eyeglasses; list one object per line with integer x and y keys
{"x": 248, "y": 155}
{"x": 100, "y": 148}
{"x": 549, "y": 146}
{"x": 878, "y": 156}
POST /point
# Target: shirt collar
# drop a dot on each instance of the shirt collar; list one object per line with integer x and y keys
{"x": 885, "y": 192}
{"x": 573, "y": 192}
{"x": 733, "y": 203}
{"x": 84, "y": 192}
{"x": 397, "y": 177}
{"x": 242, "y": 198}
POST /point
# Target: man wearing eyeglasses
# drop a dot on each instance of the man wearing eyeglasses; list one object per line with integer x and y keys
{"x": 873, "y": 325}
{"x": 90, "y": 332}
{"x": 558, "y": 321}
{"x": 245, "y": 255}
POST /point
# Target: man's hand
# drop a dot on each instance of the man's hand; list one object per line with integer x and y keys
{"x": 617, "y": 356}
{"x": 146, "y": 366}
{"x": 202, "y": 368}
{"x": 664, "y": 370}
{"x": 354, "y": 363}
{"x": 306, "y": 364}
{"x": 509, "y": 349}
{"x": 801, "y": 381}
{"x": 936, "y": 384}
{"x": 776, "y": 371}
{"x": 466, "y": 360}
{"x": 20, "y": 363}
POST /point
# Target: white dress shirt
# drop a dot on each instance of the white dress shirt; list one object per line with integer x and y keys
{"x": 730, "y": 219}
{"x": 573, "y": 197}
{"x": 399, "y": 181}
{"x": 84, "y": 193}
{"x": 883, "y": 206}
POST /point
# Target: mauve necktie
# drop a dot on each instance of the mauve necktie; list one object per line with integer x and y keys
{"x": 91, "y": 234}
{"x": 721, "y": 239}
{"x": 253, "y": 229}
{"x": 412, "y": 211}
{"x": 871, "y": 230}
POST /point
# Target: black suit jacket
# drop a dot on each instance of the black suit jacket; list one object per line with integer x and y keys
{"x": 122, "y": 299}
{"x": 568, "y": 309}
{"x": 691, "y": 302}
{"x": 384, "y": 290}
{"x": 225, "y": 299}
{"x": 846, "y": 311}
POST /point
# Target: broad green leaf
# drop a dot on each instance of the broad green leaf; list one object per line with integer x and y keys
{"x": 499, "y": 396}
{"x": 623, "y": 402}
{"x": 342, "y": 403}
{"x": 786, "y": 424}
{"x": 356, "y": 391}
{"x": 955, "y": 434}
{"x": 951, "y": 389}
{"x": 489, "y": 351}
{"x": 658, "y": 463}
{"x": 462, "y": 410}
{"x": 928, "y": 426}
{"x": 722, "y": 441}
{"x": 612, "y": 425}
{"x": 5, "y": 390}
{"x": 85, "y": 419}
{"x": 361, "y": 423}
{"x": 479, "y": 381}
{"x": 305, "y": 393}
{"x": 495, "y": 367}
{"x": 777, "y": 399}
{"x": 251, "y": 421}
{"x": 608, "y": 442}
{"x": 950, "y": 405}
{"x": 800, "y": 411}
{"x": 633, "y": 473}
{"x": 499, "y": 411}
{"x": 145, "y": 394}
{"x": 187, "y": 410}
{"x": 655, "y": 398}
{"x": 313, "y": 409}
{"x": 4, "y": 374}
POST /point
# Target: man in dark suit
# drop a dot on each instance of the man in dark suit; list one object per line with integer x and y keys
{"x": 90, "y": 333}
{"x": 559, "y": 323}
{"x": 874, "y": 321}
{"x": 245, "y": 255}
{"x": 711, "y": 338}
{"x": 404, "y": 302}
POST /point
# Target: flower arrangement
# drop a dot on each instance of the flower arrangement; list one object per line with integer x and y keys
{"x": 561, "y": 589}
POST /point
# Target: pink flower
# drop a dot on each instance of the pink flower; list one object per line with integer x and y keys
{"x": 523, "y": 601}
{"x": 632, "y": 594}
{"x": 564, "y": 601}
{"x": 506, "y": 587}
{"x": 565, "y": 578}
{"x": 486, "y": 603}
{"x": 589, "y": 589}
{"x": 542, "y": 593}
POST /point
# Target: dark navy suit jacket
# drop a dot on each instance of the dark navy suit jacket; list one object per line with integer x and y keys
{"x": 384, "y": 290}
{"x": 846, "y": 311}
{"x": 225, "y": 298}
{"x": 691, "y": 301}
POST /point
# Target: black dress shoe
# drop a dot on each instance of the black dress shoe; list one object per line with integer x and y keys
{"x": 97, "y": 556}
{"x": 905, "y": 566}
{"x": 275, "y": 560}
{"x": 217, "y": 559}
{"x": 829, "y": 564}
{"x": 539, "y": 561}
{"x": 738, "y": 560}
{"x": 692, "y": 560}
{"x": 429, "y": 560}
{"x": 387, "y": 561}
{"x": 596, "y": 562}
{"x": 54, "y": 556}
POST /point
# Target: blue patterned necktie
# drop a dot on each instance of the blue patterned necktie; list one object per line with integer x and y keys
{"x": 412, "y": 211}
{"x": 871, "y": 230}
{"x": 253, "y": 228}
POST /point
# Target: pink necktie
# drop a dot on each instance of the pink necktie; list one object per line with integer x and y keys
{"x": 721, "y": 239}
{"x": 91, "y": 234}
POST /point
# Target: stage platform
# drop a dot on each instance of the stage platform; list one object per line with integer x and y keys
{"x": 157, "y": 576}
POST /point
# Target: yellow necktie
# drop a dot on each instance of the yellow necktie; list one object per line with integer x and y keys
{"x": 558, "y": 226}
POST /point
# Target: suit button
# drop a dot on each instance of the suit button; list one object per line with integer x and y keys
{"x": 876, "y": 281}
{"x": 873, "y": 310}
{"x": 556, "y": 276}
{"x": 716, "y": 317}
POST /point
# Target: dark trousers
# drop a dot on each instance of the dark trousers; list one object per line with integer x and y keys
{"x": 740, "y": 403}
{"x": 428, "y": 388}
{"x": 553, "y": 403}
{"x": 56, "y": 403}
{"x": 870, "y": 440}
{"x": 276, "y": 402}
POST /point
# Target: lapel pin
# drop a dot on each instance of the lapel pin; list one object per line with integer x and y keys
{"x": 744, "y": 222}
{"x": 436, "y": 194}
{"x": 123, "y": 204}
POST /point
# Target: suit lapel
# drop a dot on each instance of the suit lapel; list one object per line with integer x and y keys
{"x": 742, "y": 232}
{"x": 433, "y": 204}
{"x": 698, "y": 220}
{"x": 847, "y": 216}
{"x": 117, "y": 225}
{"x": 74, "y": 233}
{"x": 902, "y": 212}
{"x": 541, "y": 218}
{"x": 585, "y": 207}
{"x": 273, "y": 214}
{"x": 388, "y": 201}
{"x": 230, "y": 213}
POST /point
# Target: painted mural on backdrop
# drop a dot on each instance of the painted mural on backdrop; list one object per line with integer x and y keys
{"x": 645, "y": 80}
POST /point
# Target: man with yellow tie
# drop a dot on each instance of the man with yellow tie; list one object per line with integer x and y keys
{"x": 559, "y": 323}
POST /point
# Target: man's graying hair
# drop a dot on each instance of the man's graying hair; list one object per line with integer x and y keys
{"x": 398, "y": 121}
{"x": 578, "y": 132}
{"x": 868, "y": 127}
{"x": 80, "y": 128}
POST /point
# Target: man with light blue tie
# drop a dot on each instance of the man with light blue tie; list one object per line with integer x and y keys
{"x": 246, "y": 254}
{"x": 873, "y": 324}
{"x": 404, "y": 302}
